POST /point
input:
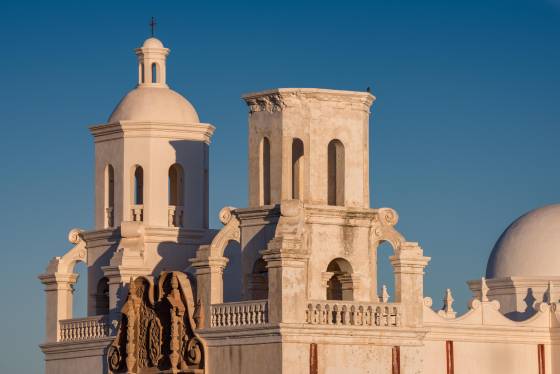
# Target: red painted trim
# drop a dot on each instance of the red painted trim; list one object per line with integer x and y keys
{"x": 313, "y": 366}
{"x": 540, "y": 350}
{"x": 396, "y": 360}
{"x": 449, "y": 357}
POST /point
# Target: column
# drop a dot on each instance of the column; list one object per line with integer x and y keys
{"x": 58, "y": 292}
{"x": 287, "y": 281}
{"x": 408, "y": 266}
{"x": 209, "y": 282}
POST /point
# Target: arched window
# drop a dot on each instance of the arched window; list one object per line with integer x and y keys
{"x": 109, "y": 195}
{"x": 175, "y": 192}
{"x": 297, "y": 168}
{"x": 176, "y": 185}
{"x": 142, "y": 74}
{"x": 265, "y": 171}
{"x": 258, "y": 282}
{"x": 138, "y": 197}
{"x": 340, "y": 284}
{"x": 102, "y": 297}
{"x": 335, "y": 173}
{"x": 154, "y": 73}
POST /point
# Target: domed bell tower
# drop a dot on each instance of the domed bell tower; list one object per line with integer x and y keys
{"x": 151, "y": 179}
{"x": 152, "y": 156}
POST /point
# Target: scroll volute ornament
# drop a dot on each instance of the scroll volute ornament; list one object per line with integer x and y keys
{"x": 156, "y": 332}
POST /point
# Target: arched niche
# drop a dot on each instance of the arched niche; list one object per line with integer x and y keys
{"x": 339, "y": 285}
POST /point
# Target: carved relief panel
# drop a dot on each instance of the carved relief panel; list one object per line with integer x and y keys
{"x": 156, "y": 332}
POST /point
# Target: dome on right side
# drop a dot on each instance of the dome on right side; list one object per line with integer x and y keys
{"x": 529, "y": 247}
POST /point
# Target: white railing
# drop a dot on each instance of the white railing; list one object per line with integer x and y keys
{"x": 137, "y": 212}
{"x": 349, "y": 313}
{"x": 84, "y": 328}
{"x": 245, "y": 313}
{"x": 175, "y": 216}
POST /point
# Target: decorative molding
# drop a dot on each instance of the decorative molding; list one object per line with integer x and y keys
{"x": 133, "y": 129}
{"x": 277, "y": 100}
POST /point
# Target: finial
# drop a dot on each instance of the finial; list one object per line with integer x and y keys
{"x": 384, "y": 294}
{"x": 447, "y": 310}
{"x": 153, "y": 24}
{"x": 483, "y": 290}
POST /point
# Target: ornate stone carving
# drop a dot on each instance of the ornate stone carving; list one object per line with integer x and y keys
{"x": 230, "y": 231}
{"x": 156, "y": 331}
{"x": 271, "y": 103}
{"x": 382, "y": 229}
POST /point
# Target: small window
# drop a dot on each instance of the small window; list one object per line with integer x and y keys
{"x": 297, "y": 169}
{"x": 265, "y": 171}
{"x": 335, "y": 173}
{"x": 142, "y": 74}
{"x": 175, "y": 181}
{"x": 340, "y": 285}
{"x": 102, "y": 297}
{"x": 258, "y": 285}
{"x": 154, "y": 73}
{"x": 138, "y": 197}
{"x": 109, "y": 195}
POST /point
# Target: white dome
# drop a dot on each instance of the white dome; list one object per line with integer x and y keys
{"x": 530, "y": 246}
{"x": 152, "y": 43}
{"x": 154, "y": 104}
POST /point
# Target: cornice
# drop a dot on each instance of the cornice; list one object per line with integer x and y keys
{"x": 136, "y": 129}
{"x": 277, "y": 100}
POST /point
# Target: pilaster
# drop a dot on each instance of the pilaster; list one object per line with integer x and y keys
{"x": 408, "y": 265}
{"x": 58, "y": 290}
{"x": 209, "y": 280}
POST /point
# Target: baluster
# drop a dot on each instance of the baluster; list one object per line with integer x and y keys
{"x": 336, "y": 314}
{"x": 378, "y": 316}
{"x": 360, "y": 319}
{"x": 261, "y": 314}
{"x": 386, "y": 316}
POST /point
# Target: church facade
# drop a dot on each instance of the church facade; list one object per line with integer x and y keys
{"x": 289, "y": 284}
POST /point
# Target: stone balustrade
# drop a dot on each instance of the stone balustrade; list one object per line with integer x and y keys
{"x": 350, "y": 313}
{"x": 137, "y": 212}
{"x": 87, "y": 328}
{"x": 245, "y": 313}
{"x": 175, "y": 216}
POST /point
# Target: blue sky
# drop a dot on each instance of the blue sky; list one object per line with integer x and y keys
{"x": 464, "y": 132}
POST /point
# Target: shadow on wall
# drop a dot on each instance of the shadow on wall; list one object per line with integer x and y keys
{"x": 529, "y": 308}
{"x": 95, "y": 273}
{"x": 232, "y": 272}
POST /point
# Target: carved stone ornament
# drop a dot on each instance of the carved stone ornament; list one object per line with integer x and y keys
{"x": 271, "y": 103}
{"x": 156, "y": 331}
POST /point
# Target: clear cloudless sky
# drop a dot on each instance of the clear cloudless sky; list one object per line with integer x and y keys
{"x": 464, "y": 133}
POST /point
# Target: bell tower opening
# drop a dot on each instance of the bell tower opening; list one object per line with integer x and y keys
{"x": 265, "y": 171}
{"x": 340, "y": 285}
{"x": 336, "y": 173}
{"x": 297, "y": 169}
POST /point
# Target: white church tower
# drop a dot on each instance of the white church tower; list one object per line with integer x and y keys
{"x": 151, "y": 197}
{"x": 151, "y": 158}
